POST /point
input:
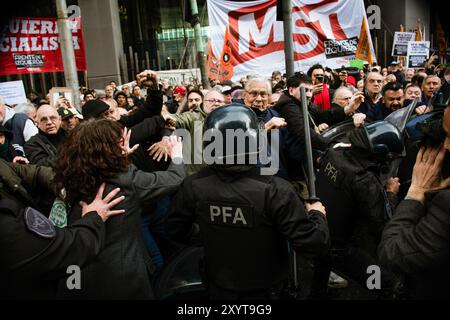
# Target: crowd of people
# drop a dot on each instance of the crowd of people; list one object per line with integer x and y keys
{"x": 112, "y": 189}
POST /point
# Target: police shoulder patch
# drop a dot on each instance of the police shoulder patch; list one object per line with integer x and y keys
{"x": 39, "y": 224}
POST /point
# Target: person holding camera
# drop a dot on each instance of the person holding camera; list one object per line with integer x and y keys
{"x": 416, "y": 242}
{"x": 320, "y": 91}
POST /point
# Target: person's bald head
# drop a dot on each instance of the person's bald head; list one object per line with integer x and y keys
{"x": 342, "y": 96}
{"x": 48, "y": 119}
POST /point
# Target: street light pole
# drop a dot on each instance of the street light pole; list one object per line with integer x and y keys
{"x": 67, "y": 51}
{"x": 288, "y": 39}
{"x": 195, "y": 22}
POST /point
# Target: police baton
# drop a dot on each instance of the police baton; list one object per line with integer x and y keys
{"x": 311, "y": 179}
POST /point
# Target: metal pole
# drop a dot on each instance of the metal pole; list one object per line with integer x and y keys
{"x": 288, "y": 38}
{"x": 67, "y": 51}
{"x": 199, "y": 44}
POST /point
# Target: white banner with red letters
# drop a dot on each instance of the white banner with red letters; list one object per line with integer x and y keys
{"x": 247, "y": 39}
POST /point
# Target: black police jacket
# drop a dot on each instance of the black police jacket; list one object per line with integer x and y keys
{"x": 357, "y": 205}
{"x": 416, "y": 243}
{"x": 244, "y": 221}
{"x": 35, "y": 256}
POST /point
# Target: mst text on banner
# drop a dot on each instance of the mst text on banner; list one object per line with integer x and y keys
{"x": 31, "y": 45}
{"x": 246, "y": 38}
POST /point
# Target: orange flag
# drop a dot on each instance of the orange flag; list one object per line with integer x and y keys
{"x": 226, "y": 59}
{"x": 213, "y": 64}
{"x": 363, "y": 51}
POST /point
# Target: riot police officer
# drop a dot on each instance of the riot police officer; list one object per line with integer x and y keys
{"x": 350, "y": 184}
{"x": 35, "y": 254}
{"x": 243, "y": 218}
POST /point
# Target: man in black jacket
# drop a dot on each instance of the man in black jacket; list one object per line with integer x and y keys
{"x": 42, "y": 148}
{"x": 289, "y": 107}
{"x": 416, "y": 242}
{"x": 244, "y": 218}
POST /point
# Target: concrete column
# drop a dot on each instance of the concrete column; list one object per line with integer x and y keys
{"x": 103, "y": 41}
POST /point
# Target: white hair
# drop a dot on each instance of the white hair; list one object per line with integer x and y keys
{"x": 259, "y": 80}
{"x": 24, "y": 108}
{"x": 340, "y": 90}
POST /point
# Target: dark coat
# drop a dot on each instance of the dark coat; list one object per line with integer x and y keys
{"x": 416, "y": 243}
{"x": 27, "y": 184}
{"x": 41, "y": 151}
{"x": 122, "y": 270}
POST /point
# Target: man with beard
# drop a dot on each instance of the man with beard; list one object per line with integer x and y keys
{"x": 393, "y": 98}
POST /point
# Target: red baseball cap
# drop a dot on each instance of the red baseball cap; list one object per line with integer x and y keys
{"x": 179, "y": 90}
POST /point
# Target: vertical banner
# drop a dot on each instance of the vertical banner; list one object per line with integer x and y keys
{"x": 31, "y": 45}
{"x": 418, "y": 54}
{"x": 327, "y": 32}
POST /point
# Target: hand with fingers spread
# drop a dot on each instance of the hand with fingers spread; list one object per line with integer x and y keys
{"x": 175, "y": 145}
{"x": 125, "y": 143}
{"x": 159, "y": 150}
{"x": 426, "y": 175}
{"x": 103, "y": 206}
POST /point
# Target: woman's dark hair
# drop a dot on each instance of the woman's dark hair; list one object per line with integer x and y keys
{"x": 90, "y": 154}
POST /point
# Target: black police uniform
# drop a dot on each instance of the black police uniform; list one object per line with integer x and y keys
{"x": 243, "y": 219}
{"x": 358, "y": 207}
{"x": 35, "y": 255}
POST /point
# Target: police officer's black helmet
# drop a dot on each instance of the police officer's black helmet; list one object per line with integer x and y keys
{"x": 230, "y": 119}
{"x": 384, "y": 138}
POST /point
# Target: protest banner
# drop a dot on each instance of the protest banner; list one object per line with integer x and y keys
{"x": 31, "y": 45}
{"x": 246, "y": 37}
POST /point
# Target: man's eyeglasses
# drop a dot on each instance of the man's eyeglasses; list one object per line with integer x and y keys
{"x": 215, "y": 101}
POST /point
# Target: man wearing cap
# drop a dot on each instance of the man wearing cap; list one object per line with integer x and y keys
{"x": 227, "y": 91}
{"x": 69, "y": 119}
{"x": 42, "y": 148}
{"x": 178, "y": 95}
